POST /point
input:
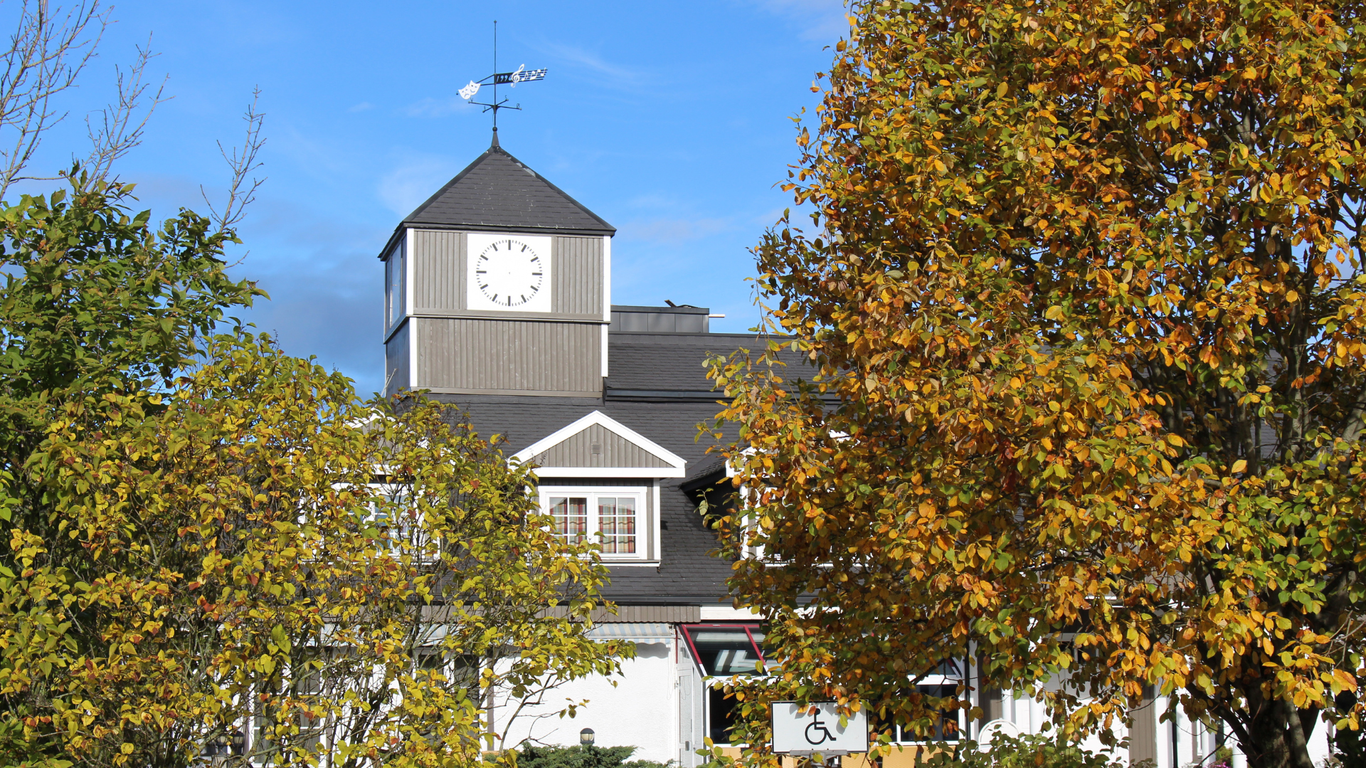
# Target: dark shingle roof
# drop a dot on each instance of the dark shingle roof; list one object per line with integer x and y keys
{"x": 498, "y": 192}
{"x": 667, "y": 361}
{"x": 688, "y": 574}
{"x": 669, "y": 366}
{"x": 672, "y": 397}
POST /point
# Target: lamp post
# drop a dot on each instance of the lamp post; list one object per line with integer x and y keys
{"x": 586, "y": 738}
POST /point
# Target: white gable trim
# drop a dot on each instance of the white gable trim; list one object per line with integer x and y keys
{"x": 675, "y": 468}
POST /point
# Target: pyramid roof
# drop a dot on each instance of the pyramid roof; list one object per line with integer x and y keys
{"x": 498, "y": 192}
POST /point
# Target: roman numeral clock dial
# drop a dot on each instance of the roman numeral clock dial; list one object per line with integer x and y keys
{"x": 509, "y": 273}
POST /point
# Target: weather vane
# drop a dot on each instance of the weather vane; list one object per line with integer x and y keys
{"x": 510, "y": 79}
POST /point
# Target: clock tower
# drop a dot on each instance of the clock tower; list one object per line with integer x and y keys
{"x": 498, "y": 285}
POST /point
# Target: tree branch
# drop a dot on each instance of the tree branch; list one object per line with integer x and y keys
{"x": 242, "y": 160}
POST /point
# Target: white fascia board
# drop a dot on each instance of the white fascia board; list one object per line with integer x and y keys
{"x": 551, "y": 473}
{"x": 408, "y": 260}
{"x": 656, "y": 542}
{"x": 603, "y": 341}
{"x": 606, "y": 298}
{"x": 730, "y": 467}
{"x": 601, "y": 419}
{"x": 607, "y": 278}
{"x": 727, "y": 612}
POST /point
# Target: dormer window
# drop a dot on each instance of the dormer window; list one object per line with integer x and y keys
{"x": 599, "y": 483}
{"x": 612, "y": 518}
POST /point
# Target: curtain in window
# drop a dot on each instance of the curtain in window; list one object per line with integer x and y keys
{"x": 571, "y": 517}
{"x": 617, "y": 524}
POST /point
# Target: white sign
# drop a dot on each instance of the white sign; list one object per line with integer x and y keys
{"x": 815, "y": 728}
{"x": 989, "y": 731}
{"x": 469, "y": 91}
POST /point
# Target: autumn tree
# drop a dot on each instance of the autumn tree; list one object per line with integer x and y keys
{"x": 261, "y": 558}
{"x": 1084, "y": 310}
{"x": 206, "y": 544}
{"x": 206, "y": 539}
{"x": 42, "y": 62}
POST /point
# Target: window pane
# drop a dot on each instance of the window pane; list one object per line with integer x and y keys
{"x": 571, "y": 517}
{"x": 617, "y": 524}
{"x": 770, "y": 665}
{"x": 943, "y": 724}
{"x": 394, "y": 277}
{"x": 720, "y": 716}
{"x": 724, "y": 652}
{"x": 466, "y": 675}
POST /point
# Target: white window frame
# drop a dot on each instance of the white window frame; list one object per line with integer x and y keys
{"x": 901, "y": 738}
{"x": 711, "y": 682}
{"x": 390, "y": 491}
{"x": 646, "y": 539}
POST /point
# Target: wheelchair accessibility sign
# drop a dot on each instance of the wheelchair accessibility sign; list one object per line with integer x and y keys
{"x": 815, "y": 729}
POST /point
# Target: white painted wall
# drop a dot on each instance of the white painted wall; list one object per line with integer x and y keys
{"x": 646, "y": 709}
{"x": 1181, "y": 743}
{"x": 641, "y": 710}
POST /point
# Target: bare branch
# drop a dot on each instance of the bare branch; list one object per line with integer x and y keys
{"x": 242, "y": 160}
{"x": 120, "y": 125}
{"x": 46, "y": 54}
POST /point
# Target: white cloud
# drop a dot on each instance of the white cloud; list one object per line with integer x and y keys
{"x": 433, "y": 107}
{"x": 321, "y": 154}
{"x": 593, "y": 63}
{"x": 820, "y": 20}
{"x": 361, "y": 107}
{"x": 416, "y": 179}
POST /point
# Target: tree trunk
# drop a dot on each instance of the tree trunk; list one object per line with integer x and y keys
{"x": 1278, "y": 738}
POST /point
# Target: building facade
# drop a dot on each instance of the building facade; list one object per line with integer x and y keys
{"x": 498, "y": 299}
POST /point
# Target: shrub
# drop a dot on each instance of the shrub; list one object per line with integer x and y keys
{"x": 582, "y": 757}
{"x": 1028, "y": 751}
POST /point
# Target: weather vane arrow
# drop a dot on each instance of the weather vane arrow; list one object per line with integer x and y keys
{"x": 510, "y": 79}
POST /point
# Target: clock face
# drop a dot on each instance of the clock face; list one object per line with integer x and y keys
{"x": 509, "y": 273}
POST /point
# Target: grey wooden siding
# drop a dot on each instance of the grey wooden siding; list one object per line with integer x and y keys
{"x": 577, "y": 276}
{"x": 438, "y": 271}
{"x": 1143, "y": 732}
{"x": 396, "y": 360}
{"x": 673, "y": 614}
{"x": 595, "y": 446}
{"x": 489, "y": 356}
{"x": 647, "y": 526}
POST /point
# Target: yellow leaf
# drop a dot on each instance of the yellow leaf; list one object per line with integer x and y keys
{"x": 1239, "y": 466}
{"x": 1345, "y": 678}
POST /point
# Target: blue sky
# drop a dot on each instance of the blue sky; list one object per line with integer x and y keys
{"x": 669, "y": 120}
